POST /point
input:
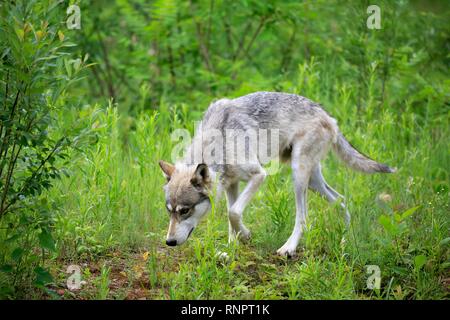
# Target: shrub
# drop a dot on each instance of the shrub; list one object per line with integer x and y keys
{"x": 35, "y": 70}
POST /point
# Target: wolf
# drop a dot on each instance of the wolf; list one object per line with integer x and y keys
{"x": 305, "y": 133}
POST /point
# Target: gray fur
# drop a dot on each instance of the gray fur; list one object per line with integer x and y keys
{"x": 290, "y": 113}
{"x": 356, "y": 160}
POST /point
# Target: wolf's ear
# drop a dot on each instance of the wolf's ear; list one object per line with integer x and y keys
{"x": 167, "y": 168}
{"x": 201, "y": 176}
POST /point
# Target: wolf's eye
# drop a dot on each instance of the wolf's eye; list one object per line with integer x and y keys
{"x": 184, "y": 211}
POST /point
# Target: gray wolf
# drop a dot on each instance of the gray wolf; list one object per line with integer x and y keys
{"x": 305, "y": 133}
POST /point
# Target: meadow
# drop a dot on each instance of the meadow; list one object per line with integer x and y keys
{"x": 141, "y": 78}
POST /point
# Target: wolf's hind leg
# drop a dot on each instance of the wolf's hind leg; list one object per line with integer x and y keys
{"x": 317, "y": 183}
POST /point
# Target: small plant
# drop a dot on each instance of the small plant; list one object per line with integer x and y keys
{"x": 278, "y": 204}
{"x": 103, "y": 283}
{"x": 152, "y": 268}
{"x": 396, "y": 227}
{"x": 32, "y": 47}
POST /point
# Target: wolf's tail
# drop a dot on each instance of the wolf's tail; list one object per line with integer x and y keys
{"x": 355, "y": 159}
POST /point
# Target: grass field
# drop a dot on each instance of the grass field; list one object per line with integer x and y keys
{"x": 388, "y": 89}
{"x": 113, "y": 222}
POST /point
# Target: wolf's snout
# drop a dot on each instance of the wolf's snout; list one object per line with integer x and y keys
{"x": 171, "y": 242}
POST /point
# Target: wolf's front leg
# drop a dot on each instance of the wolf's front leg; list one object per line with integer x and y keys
{"x": 232, "y": 194}
{"x": 236, "y": 210}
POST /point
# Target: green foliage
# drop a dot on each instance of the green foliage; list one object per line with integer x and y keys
{"x": 103, "y": 283}
{"x": 35, "y": 70}
{"x": 278, "y": 203}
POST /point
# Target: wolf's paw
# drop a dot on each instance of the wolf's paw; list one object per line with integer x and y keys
{"x": 232, "y": 237}
{"x": 286, "y": 251}
{"x": 223, "y": 256}
{"x": 241, "y": 236}
{"x": 244, "y": 235}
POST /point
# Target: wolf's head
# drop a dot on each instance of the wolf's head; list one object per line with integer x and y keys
{"x": 187, "y": 199}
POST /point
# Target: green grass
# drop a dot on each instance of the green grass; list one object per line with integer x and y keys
{"x": 388, "y": 89}
{"x": 112, "y": 219}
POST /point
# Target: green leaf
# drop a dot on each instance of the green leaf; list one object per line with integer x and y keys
{"x": 17, "y": 254}
{"x": 6, "y": 268}
{"x": 444, "y": 242}
{"x": 43, "y": 277}
{"x": 419, "y": 261}
{"x": 52, "y": 294}
{"x": 444, "y": 266}
{"x": 12, "y": 238}
{"x": 409, "y": 212}
{"x": 387, "y": 224}
{"x": 46, "y": 240}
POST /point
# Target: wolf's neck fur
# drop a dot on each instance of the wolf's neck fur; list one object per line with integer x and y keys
{"x": 189, "y": 167}
{"x": 194, "y": 156}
